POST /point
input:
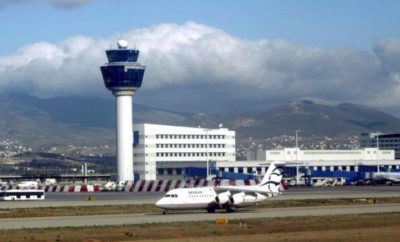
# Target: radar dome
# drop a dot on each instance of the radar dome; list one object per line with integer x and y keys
{"x": 122, "y": 44}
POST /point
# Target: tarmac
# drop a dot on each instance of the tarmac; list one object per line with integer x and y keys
{"x": 123, "y": 219}
{"x": 122, "y": 198}
{"x": 115, "y": 198}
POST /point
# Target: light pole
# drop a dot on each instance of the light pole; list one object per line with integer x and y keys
{"x": 297, "y": 158}
{"x": 207, "y": 160}
{"x": 377, "y": 153}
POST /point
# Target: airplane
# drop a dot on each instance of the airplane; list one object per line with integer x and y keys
{"x": 223, "y": 197}
{"x": 388, "y": 177}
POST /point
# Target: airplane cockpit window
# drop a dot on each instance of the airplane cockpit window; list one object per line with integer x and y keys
{"x": 168, "y": 195}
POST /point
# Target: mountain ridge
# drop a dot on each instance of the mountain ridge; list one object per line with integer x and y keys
{"x": 91, "y": 120}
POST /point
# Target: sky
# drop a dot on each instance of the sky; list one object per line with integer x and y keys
{"x": 206, "y": 55}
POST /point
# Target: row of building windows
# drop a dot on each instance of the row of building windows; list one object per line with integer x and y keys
{"x": 386, "y": 141}
{"x": 251, "y": 170}
{"x": 169, "y": 171}
{"x": 192, "y": 154}
{"x": 188, "y": 136}
{"x": 190, "y": 145}
{"x": 389, "y": 145}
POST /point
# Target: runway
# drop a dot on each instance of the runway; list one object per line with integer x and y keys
{"x": 124, "y": 219}
{"x": 118, "y": 198}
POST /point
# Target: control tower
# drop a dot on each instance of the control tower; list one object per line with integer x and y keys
{"x": 123, "y": 75}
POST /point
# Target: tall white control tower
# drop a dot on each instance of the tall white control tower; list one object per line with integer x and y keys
{"x": 123, "y": 75}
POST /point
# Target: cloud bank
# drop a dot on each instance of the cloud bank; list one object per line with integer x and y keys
{"x": 204, "y": 66}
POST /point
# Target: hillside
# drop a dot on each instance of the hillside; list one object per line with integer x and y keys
{"x": 89, "y": 121}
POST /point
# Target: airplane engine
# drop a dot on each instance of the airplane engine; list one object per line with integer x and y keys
{"x": 223, "y": 198}
{"x": 238, "y": 198}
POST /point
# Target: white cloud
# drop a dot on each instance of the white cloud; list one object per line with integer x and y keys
{"x": 200, "y": 58}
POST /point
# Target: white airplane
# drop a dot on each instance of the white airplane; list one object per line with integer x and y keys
{"x": 389, "y": 177}
{"x": 28, "y": 185}
{"x": 223, "y": 197}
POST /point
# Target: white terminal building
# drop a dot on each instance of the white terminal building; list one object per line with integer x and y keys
{"x": 331, "y": 160}
{"x": 166, "y": 152}
{"x": 174, "y": 147}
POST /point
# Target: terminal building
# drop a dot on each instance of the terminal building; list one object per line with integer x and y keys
{"x": 174, "y": 152}
{"x": 167, "y": 150}
{"x": 383, "y": 141}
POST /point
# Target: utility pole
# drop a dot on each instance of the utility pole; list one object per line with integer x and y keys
{"x": 297, "y": 158}
{"x": 207, "y": 161}
{"x": 377, "y": 152}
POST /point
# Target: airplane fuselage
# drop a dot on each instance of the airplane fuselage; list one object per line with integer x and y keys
{"x": 205, "y": 198}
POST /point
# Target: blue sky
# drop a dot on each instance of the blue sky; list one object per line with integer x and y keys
{"x": 355, "y": 24}
{"x": 246, "y": 53}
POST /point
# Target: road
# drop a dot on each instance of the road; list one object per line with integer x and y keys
{"x": 118, "y": 198}
{"x": 104, "y": 220}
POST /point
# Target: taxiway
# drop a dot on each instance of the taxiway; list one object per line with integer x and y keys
{"x": 120, "y": 198}
{"x": 121, "y": 219}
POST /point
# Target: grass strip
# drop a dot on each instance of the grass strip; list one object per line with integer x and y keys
{"x": 363, "y": 227}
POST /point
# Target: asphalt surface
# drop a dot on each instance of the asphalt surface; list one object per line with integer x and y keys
{"x": 106, "y": 220}
{"x": 120, "y": 198}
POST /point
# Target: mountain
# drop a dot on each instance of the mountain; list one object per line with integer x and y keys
{"x": 313, "y": 117}
{"x": 89, "y": 121}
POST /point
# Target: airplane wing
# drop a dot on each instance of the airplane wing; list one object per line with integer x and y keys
{"x": 249, "y": 190}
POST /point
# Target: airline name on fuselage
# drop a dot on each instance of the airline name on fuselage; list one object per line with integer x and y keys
{"x": 195, "y": 192}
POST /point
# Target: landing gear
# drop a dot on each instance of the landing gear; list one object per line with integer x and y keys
{"x": 165, "y": 212}
{"x": 211, "y": 210}
{"x": 230, "y": 209}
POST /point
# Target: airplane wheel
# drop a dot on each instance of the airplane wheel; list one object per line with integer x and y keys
{"x": 165, "y": 212}
{"x": 230, "y": 210}
{"x": 210, "y": 210}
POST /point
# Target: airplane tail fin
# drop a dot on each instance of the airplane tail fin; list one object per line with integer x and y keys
{"x": 272, "y": 178}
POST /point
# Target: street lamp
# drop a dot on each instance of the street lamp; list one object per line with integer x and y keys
{"x": 207, "y": 160}
{"x": 297, "y": 158}
{"x": 377, "y": 152}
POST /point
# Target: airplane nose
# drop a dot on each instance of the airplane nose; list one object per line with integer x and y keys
{"x": 159, "y": 203}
